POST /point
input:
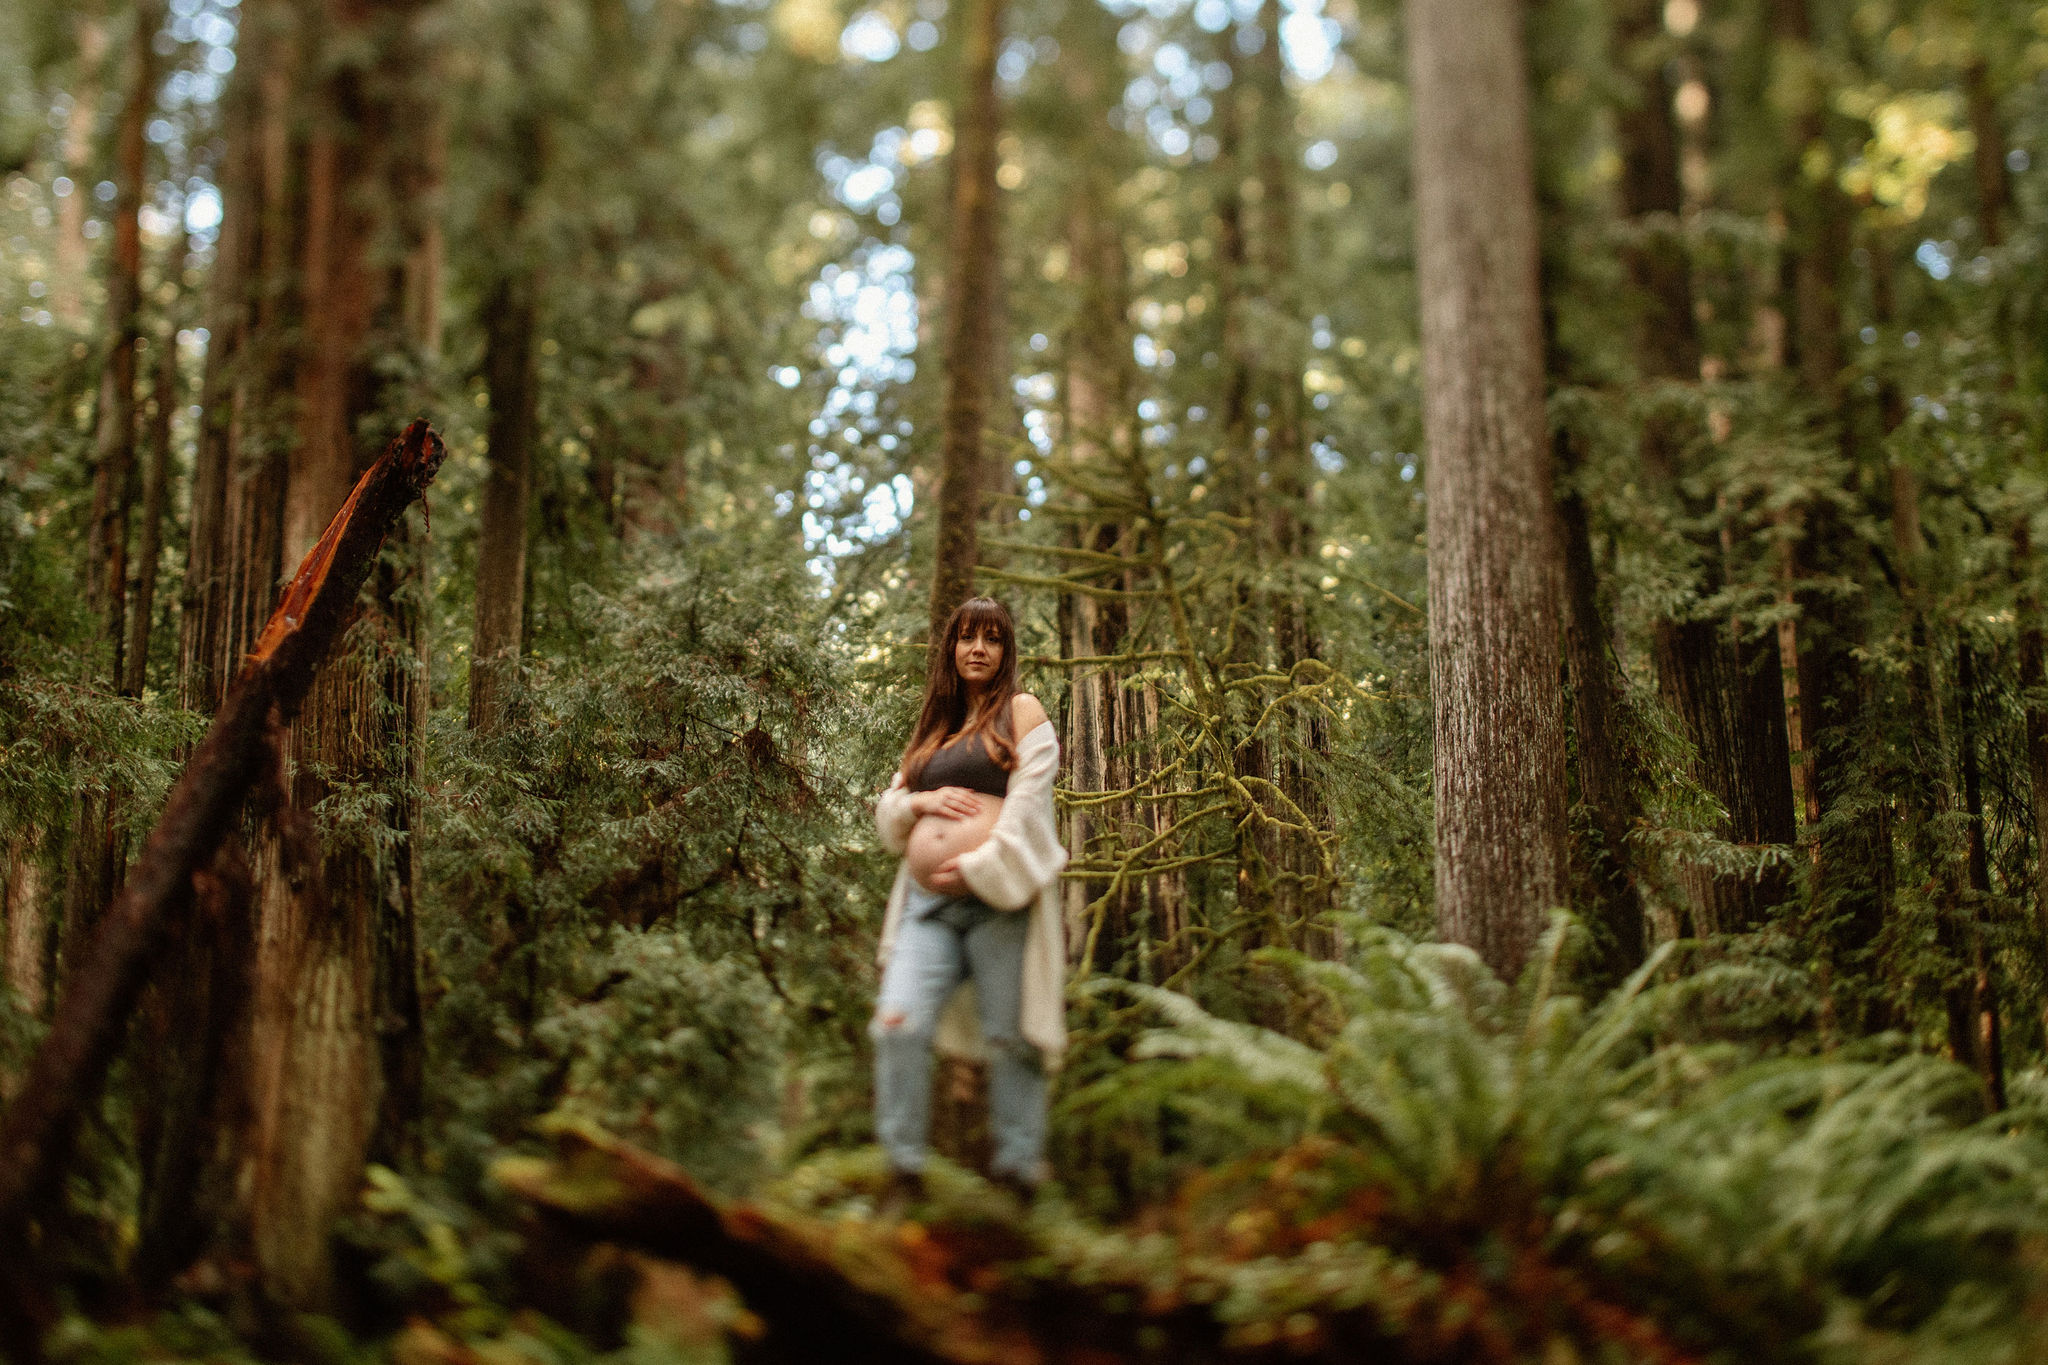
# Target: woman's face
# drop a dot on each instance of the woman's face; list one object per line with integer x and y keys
{"x": 977, "y": 654}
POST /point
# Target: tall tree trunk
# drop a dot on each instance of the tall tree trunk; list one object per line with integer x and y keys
{"x": 1109, "y": 736}
{"x": 1988, "y": 1033}
{"x": 1493, "y": 581}
{"x": 94, "y": 865}
{"x": 155, "y": 488}
{"x": 1096, "y": 431}
{"x": 1726, "y": 691}
{"x": 114, "y": 443}
{"x": 1306, "y": 887}
{"x": 327, "y": 251}
{"x": 1994, "y": 187}
{"x": 237, "y": 553}
{"x": 1604, "y": 761}
{"x": 510, "y": 316}
{"x": 194, "y": 1113}
{"x": 1854, "y": 875}
{"x": 336, "y": 1010}
{"x": 68, "y": 266}
{"x": 971, "y": 280}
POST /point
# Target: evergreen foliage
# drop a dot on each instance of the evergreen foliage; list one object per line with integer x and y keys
{"x": 647, "y": 899}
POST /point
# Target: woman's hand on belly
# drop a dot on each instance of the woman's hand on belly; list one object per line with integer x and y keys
{"x": 938, "y": 841}
{"x": 958, "y": 803}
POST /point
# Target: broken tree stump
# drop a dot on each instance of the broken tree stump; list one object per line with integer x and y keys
{"x": 65, "y": 1075}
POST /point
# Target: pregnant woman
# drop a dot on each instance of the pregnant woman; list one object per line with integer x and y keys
{"x": 972, "y": 953}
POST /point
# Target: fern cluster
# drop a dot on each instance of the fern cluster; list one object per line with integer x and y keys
{"x": 1805, "y": 1206}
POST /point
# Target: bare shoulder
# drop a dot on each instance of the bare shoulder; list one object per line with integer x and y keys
{"x": 1026, "y": 714}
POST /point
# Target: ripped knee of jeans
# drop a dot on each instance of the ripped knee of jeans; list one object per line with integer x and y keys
{"x": 892, "y": 1021}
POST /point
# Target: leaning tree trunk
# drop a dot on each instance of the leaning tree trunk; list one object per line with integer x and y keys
{"x": 972, "y": 277}
{"x": 1499, "y": 762}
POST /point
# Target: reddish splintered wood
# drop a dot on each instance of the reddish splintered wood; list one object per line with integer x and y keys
{"x": 65, "y": 1075}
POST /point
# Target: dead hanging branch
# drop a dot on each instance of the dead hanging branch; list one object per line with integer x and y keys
{"x": 65, "y": 1075}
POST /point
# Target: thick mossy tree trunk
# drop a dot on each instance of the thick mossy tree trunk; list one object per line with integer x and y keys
{"x": 972, "y": 277}
{"x": 1493, "y": 581}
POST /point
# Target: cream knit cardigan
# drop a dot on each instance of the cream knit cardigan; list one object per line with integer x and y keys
{"x": 1016, "y": 868}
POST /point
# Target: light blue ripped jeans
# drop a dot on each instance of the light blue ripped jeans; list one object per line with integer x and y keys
{"x": 941, "y": 941}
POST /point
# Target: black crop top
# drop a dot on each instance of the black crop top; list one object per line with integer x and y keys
{"x": 963, "y": 764}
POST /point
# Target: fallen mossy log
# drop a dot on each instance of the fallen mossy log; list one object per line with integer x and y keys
{"x": 989, "y": 1289}
{"x": 817, "y": 1305}
{"x": 65, "y": 1075}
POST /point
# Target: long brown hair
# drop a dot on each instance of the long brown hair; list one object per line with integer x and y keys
{"x": 945, "y": 695}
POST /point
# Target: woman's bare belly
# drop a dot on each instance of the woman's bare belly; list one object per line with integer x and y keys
{"x": 935, "y": 838}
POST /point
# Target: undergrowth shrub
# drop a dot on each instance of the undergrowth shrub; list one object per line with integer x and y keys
{"x": 652, "y": 884}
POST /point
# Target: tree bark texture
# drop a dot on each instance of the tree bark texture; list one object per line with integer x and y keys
{"x": 26, "y": 965}
{"x": 70, "y": 1064}
{"x": 1493, "y": 580}
{"x": 511, "y": 315}
{"x": 2033, "y": 680}
{"x": 196, "y": 1120}
{"x": 972, "y": 277}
